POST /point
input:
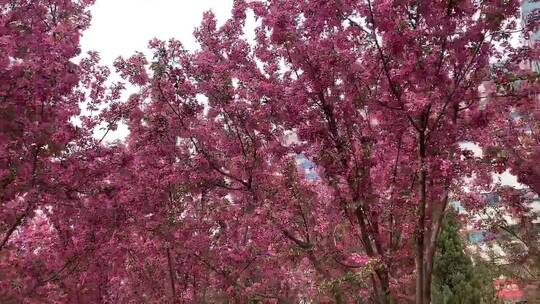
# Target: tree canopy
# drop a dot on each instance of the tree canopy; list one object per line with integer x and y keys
{"x": 204, "y": 201}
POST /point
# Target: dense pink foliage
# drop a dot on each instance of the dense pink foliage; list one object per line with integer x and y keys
{"x": 205, "y": 200}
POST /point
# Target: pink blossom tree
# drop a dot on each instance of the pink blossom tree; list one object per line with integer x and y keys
{"x": 205, "y": 200}
{"x": 38, "y": 41}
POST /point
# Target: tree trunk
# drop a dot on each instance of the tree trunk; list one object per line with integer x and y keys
{"x": 383, "y": 296}
{"x": 420, "y": 296}
{"x": 436, "y": 213}
{"x": 426, "y": 239}
{"x": 171, "y": 276}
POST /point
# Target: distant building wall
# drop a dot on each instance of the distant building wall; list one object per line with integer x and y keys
{"x": 530, "y": 9}
{"x": 530, "y": 12}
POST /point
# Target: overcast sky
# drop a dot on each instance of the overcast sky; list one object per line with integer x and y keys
{"x": 121, "y": 27}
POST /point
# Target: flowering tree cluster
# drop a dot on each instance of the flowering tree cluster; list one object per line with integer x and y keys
{"x": 204, "y": 202}
{"x": 37, "y": 142}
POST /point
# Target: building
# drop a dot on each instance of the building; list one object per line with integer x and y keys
{"x": 530, "y": 13}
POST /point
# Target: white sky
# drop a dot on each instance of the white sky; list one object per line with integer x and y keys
{"x": 121, "y": 27}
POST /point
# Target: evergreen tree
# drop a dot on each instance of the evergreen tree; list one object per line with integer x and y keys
{"x": 455, "y": 277}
